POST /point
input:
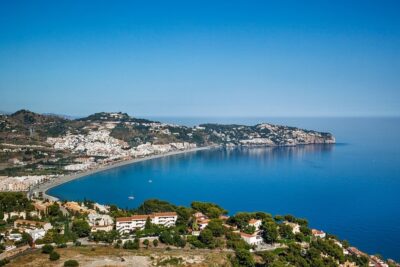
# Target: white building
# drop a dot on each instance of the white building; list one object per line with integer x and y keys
{"x": 127, "y": 224}
{"x": 256, "y": 223}
{"x": 16, "y": 214}
{"x": 201, "y": 220}
{"x": 100, "y": 222}
{"x": 20, "y": 214}
{"x": 101, "y": 208}
{"x": 36, "y": 233}
{"x": 318, "y": 233}
{"x": 14, "y": 236}
{"x": 252, "y": 239}
{"x": 295, "y": 227}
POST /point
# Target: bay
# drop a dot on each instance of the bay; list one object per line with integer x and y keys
{"x": 350, "y": 189}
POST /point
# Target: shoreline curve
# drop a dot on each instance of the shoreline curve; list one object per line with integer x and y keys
{"x": 44, "y": 187}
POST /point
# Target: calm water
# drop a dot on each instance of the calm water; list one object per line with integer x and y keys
{"x": 351, "y": 189}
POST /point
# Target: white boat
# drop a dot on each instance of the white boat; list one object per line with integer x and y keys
{"x": 131, "y": 197}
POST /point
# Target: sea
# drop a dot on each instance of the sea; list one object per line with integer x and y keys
{"x": 350, "y": 189}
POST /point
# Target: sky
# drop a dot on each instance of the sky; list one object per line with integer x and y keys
{"x": 201, "y": 58}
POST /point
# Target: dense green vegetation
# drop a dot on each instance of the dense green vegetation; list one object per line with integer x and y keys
{"x": 209, "y": 209}
{"x": 298, "y": 248}
{"x": 10, "y": 201}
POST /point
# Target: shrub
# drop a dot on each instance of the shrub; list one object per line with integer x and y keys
{"x": 47, "y": 249}
{"x": 54, "y": 256}
{"x": 81, "y": 228}
{"x": 155, "y": 242}
{"x": 131, "y": 244}
{"x": 71, "y": 263}
{"x": 4, "y": 262}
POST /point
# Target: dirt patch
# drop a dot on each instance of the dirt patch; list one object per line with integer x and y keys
{"x": 109, "y": 256}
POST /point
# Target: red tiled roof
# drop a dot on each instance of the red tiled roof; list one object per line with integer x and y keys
{"x": 204, "y": 221}
{"x": 164, "y": 214}
{"x": 247, "y": 235}
{"x": 317, "y": 232}
{"x": 253, "y": 221}
{"x": 123, "y": 219}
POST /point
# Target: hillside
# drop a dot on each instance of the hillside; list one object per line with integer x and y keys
{"x": 47, "y": 144}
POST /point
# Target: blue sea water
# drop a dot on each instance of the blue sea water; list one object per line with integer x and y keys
{"x": 351, "y": 189}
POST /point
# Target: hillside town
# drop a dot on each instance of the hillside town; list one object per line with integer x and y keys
{"x": 31, "y": 226}
{"x": 36, "y": 148}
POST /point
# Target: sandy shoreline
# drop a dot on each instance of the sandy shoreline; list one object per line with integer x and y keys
{"x": 67, "y": 178}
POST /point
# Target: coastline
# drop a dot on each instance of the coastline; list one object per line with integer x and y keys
{"x": 44, "y": 187}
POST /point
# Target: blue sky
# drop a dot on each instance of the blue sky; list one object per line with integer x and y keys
{"x": 201, "y": 58}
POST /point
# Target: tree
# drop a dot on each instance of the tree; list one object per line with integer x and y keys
{"x": 155, "y": 242}
{"x": 81, "y": 228}
{"x": 47, "y": 249}
{"x": 290, "y": 218}
{"x": 54, "y": 256}
{"x": 210, "y": 209}
{"x": 54, "y": 210}
{"x": 25, "y": 240}
{"x": 270, "y": 233}
{"x": 146, "y": 243}
{"x": 345, "y": 243}
{"x": 207, "y": 238}
{"x": 305, "y": 230}
{"x": 148, "y": 224}
{"x": 131, "y": 244}
{"x": 155, "y": 205}
{"x": 278, "y": 218}
{"x": 249, "y": 229}
{"x": 216, "y": 227}
{"x": 244, "y": 258}
{"x": 286, "y": 231}
{"x": 71, "y": 263}
{"x": 104, "y": 236}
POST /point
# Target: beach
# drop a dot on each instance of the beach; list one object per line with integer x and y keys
{"x": 44, "y": 187}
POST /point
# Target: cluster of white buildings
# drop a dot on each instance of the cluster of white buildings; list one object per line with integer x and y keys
{"x": 21, "y": 183}
{"x": 35, "y": 229}
{"x": 95, "y": 143}
{"x": 100, "y": 143}
{"x": 135, "y": 222}
{"x": 152, "y": 149}
{"x": 21, "y": 214}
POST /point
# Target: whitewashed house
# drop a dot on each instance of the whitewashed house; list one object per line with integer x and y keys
{"x": 36, "y": 234}
{"x": 127, "y": 224}
{"x": 318, "y": 233}
{"x": 295, "y": 227}
{"x": 252, "y": 239}
{"x": 256, "y": 223}
{"x": 100, "y": 222}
